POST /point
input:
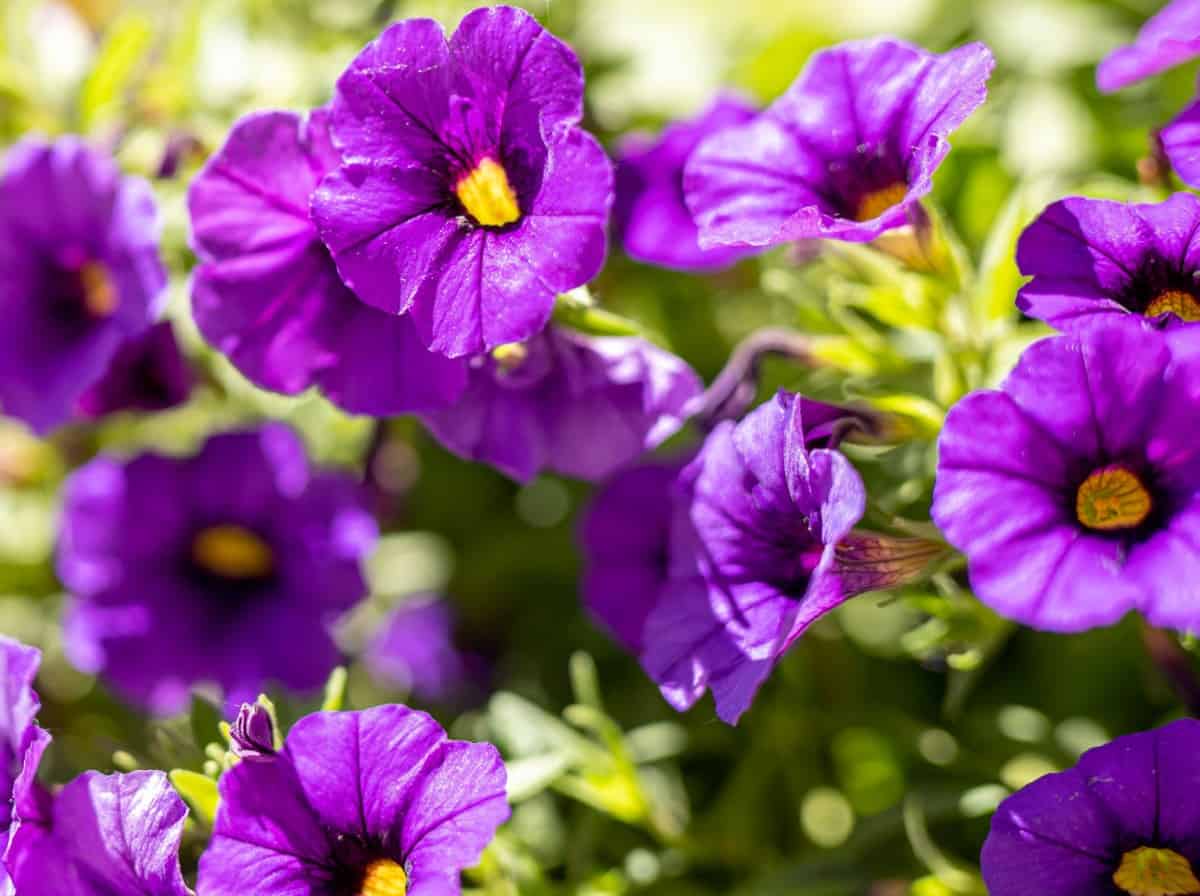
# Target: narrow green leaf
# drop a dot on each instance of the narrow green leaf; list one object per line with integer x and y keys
{"x": 199, "y": 791}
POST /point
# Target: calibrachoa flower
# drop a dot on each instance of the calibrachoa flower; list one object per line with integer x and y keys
{"x": 1091, "y": 258}
{"x": 843, "y": 154}
{"x": 79, "y": 274}
{"x": 227, "y": 566}
{"x": 148, "y": 373}
{"x": 21, "y": 741}
{"x": 468, "y": 196}
{"x": 578, "y": 405}
{"x": 1123, "y": 820}
{"x": 1073, "y": 488}
{"x": 377, "y": 802}
{"x": 414, "y": 649}
{"x": 1167, "y": 39}
{"x": 1180, "y": 140}
{"x": 650, "y": 216}
{"x": 268, "y": 295}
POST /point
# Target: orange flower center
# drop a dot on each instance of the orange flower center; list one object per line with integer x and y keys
{"x": 232, "y": 552}
{"x": 1112, "y": 498}
{"x": 487, "y": 196}
{"x": 1183, "y": 305}
{"x": 384, "y": 878}
{"x": 99, "y": 294}
{"x": 1156, "y": 872}
{"x": 875, "y": 203}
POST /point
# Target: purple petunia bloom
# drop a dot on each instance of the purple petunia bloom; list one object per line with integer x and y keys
{"x": 650, "y": 216}
{"x": 1074, "y": 489}
{"x": 844, "y": 153}
{"x": 375, "y": 802}
{"x": 1124, "y": 820}
{"x": 414, "y": 649}
{"x": 1180, "y": 141}
{"x": 226, "y": 567}
{"x": 1167, "y": 39}
{"x": 578, "y": 405}
{"x": 1093, "y": 258}
{"x": 79, "y": 274}
{"x": 148, "y": 373}
{"x": 469, "y": 197}
{"x": 22, "y": 742}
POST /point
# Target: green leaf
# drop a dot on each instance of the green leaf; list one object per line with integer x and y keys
{"x": 335, "y": 690}
{"x": 199, "y": 791}
{"x": 129, "y": 39}
{"x": 530, "y": 776}
{"x": 594, "y": 321}
{"x": 205, "y": 720}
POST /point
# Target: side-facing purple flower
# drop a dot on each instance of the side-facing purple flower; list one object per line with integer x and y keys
{"x": 227, "y": 567}
{"x": 468, "y": 198}
{"x": 650, "y": 216}
{"x": 148, "y": 373}
{"x": 1167, "y": 39}
{"x": 79, "y": 274}
{"x": 414, "y": 649}
{"x": 1074, "y": 489}
{"x": 578, "y": 405}
{"x": 376, "y": 802}
{"x": 22, "y": 742}
{"x": 267, "y": 293}
{"x": 1093, "y": 258}
{"x": 1124, "y": 821}
{"x": 843, "y": 154}
{"x": 1180, "y": 141}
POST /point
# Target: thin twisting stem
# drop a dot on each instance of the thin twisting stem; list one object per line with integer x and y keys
{"x": 1176, "y": 665}
{"x": 735, "y": 386}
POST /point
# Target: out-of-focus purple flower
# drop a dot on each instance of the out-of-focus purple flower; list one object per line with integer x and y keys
{"x": 102, "y": 835}
{"x": 650, "y": 217}
{"x": 22, "y": 742}
{"x": 469, "y": 197}
{"x": 843, "y": 154}
{"x": 414, "y": 649}
{"x": 225, "y": 567}
{"x": 1167, "y": 39}
{"x": 1092, "y": 258}
{"x": 1123, "y": 820}
{"x": 374, "y": 802}
{"x": 148, "y": 373}
{"x": 1180, "y": 140}
{"x": 80, "y": 274}
{"x": 578, "y": 405}
{"x": 1073, "y": 489}
{"x": 253, "y": 732}
{"x": 267, "y": 293}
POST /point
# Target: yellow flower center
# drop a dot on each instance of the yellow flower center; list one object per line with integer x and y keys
{"x": 1183, "y": 305}
{"x": 510, "y": 356}
{"x": 232, "y": 552}
{"x": 99, "y": 293}
{"x": 1155, "y": 872}
{"x": 1112, "y": 498}
{"x": 487, "y": 196}
{"x": 384, "y": 878}
{"x": 875, "y": 203}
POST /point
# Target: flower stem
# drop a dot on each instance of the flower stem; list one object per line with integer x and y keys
{"x": 736, "y": 385}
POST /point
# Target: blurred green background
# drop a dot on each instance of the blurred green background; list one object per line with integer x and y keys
{"x": 875, "y": 753}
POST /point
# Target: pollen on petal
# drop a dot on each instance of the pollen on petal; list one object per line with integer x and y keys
{"x": 232, "y": 552}
{"x": 1146, "y": 871}
{"x": 875, "y": 203}
{"x": 1113, "y": 498}
{"x": 384, "y": 877}
{"x": 487, "y": 196}
{"x": 1182, "y": 304}
{"x": 99, "y": 293}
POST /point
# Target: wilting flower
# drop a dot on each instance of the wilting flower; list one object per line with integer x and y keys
{"x": 1073, "y": 488}
{"x": 22, "y": 742}
{"x": 650, "y": 216}
{"x": 79, "y": 274}
{"x": 1167, "y": 39}
{"x": 468, "y": 196}
{"x": 1091, "y": 258}
{"x": 578, "y": 405}
{"x": 1123, "y": 820}
{"x": 225, "y": 567}
{"x": 414, "y": 649}
{"x": 377, "y": 802}
{"x": 843, "y": 154}
{"x": 102, "y": 834}
{"x": 148, "y": 373}
{"x": 268, "y": 295}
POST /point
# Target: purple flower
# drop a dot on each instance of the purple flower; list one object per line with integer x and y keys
{"x": 843, "y": 154}
{"x": 650, "y": 215}
{"x": 148, "y": 373}
{"x": 578, "y": 405}
{"x": 1124, "y": 820}
{"x": 414, "y": 649}
{"x": 468, "y": 196}
{"x": 377, "y": 802}
{"x": 1167, "y": 39}
{"x": 79, "y": 274}
{"x": 101, "y": 835}
{"x": 226, "y": 567}
{"x": 1073, "y": 488}
{"x": 1092, "y": 258}
{"x": 268, "y": 295}
{"x": 1180, "y": 140}
{"x": 21, "y": 741}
